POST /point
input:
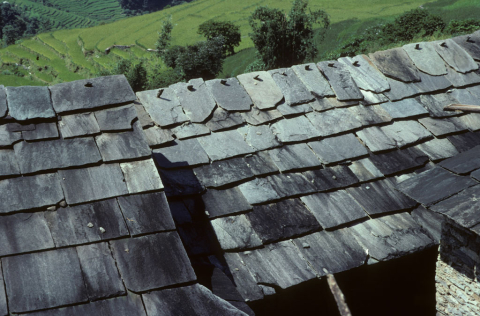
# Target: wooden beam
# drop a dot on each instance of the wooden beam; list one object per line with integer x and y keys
{"x": 338, "y": 295}
{"x": 462, "y": 107}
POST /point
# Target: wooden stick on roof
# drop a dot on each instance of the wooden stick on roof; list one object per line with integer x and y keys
{"x": 462, "y": 107}
{"x": 338, "y": 295}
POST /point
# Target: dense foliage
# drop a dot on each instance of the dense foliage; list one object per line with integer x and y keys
{"x": 137, "y": 7}
{"x": 15, "y": 24}
{"x": 229, "y": 31}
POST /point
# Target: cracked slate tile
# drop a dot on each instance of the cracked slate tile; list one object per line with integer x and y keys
{"x": 426, "y": 58}
{"x": 258, "y": 190}
{"x": 224, "y": 202}
{"x": 471, "y": 121}
{"x": 259, "y": 137}
{"x": 455, "y": 56}
{"x": 292, "y": 157}
{"x": 42, "y": 131}
{"x": 152, "y": 261}
{"x": 365, "y": 170}
{"x": 341, "y": 81}
{"x": 442, "y": 127}
{"x": 399, "y": 160}
{"x": 70, "y": 225}
{"x": 436, "y": 102}
{"x": 7, "y": 138}
{"x": 224, "y": 172}
{"x": 29, "y": 102}
{"x": 313, "y": 80}
{"x": 158, "y": 136}
{"x": 262, "y": 89}
{"x": 197, "y": 102}
{"x": 293, "y": 89}
{"x": 333, "y": 122}
{"x": 396, "y": 64}
{"x": 470, "y": 43}
{"x": 141, "y": 176}
{"x": 3, "y": 102}
{"x": 375, "y": 139}
{"x": 235, "y": 233}
{"x": 365, "y": 74}
{"x": 434, "y": 185}
{"x": 8, "y": 163}
{"x": 188, "y": 130}
{"x": 430, "y": 221}
{"x": 294, "y": 129}
{"x": 165, "y": 110}
{"x": 56, "y": 154}
{"x": 243, "y": 278}
{"x": 91, "y": 93}
{"x": 404, "y": 109}
{"x": 404, "y": 133}
{"x": 42, "y": 190}
{"x": 438, "y": 149}
{"x": 180, "y": 182}
{"x": 116, "y": 119}
{"x": 464, "y": 162}
{"x": 43, "y": 280}
{"x": 223, "y": 145}
{"x": 229, "y": 94}
{"x": 182, "y": 153}
{"x": 222, "y": 119}
{"x": 258, "y": 117}
{"x": 100, "y": 273}
{"x": 78, "y": 125}
{"x": 466, "y": 141}
{"x": 334, "y": 209}
{"x": 339, "y": 148}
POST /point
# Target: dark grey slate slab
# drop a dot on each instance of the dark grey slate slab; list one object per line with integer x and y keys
{"x": 70, "y": 226}
{"x": 141, "y": 176}
{"x": 295, "y": 129}
{"x": 42, "y": 131}
{"x": 24, "y": 232}
{"x": 43, "y": 280}
{"x": 370, "y": 98}
{"x": 222, "y": 119}
{"x": 143, "y": 116}
{"x": 400, "y": 90}
{"x": 158, "y": 136}
{"x": 330, "y": 178}
{"x": 370, "y": 115}
{"x": 430, "y": 83}
{"x": 430, "y": 221}
{"x": 182, "y": 153}
{"x": 326, "y": 103}
{"x": 224, "y": 172}
{"x": 152, "y": 261}
{"x": 455, "y": 56}
{"x": 198, "y": 238}
{"x": 197, "y": 102}
{"x": 235, "y": 233}
{"x": 259, "y": 137}
{"x": 470, "y": 43}
{"x": 20, "y": 127}
{"x": 94, "y": 183}
{"x": 278, "y": 264}
{"x": 188, "y": 130}
{"x": 434, "y": 185}
{"x": 258, "y": 190}
{"x": 334, "y": 209}
{"x": 165, "y": 110}
{"x": 476, "y": 175}
{"x": 339, "y": 148}
{"x": 380, "y": 197}
{"x": 229, "y": 95}
{"x": 243, "y": 278}
{"x": 288, "y": 110}
{"x": 365, "y": 170}
{"x": 292, "y": 87}
{"x": 365, "y": 74}
{"x": 42, "y": 190}
{"x": 396, "y": 64}
{"x": 116, "y": 119}
{"x": 3, "y": 102}
{"x": 376, "y": 139}
{"x": 404, "y": 133}
{"x": 180, "y": 182}
{"x": 291, "y": 184}
{"x": 146, "y": 213}
{"x": 261, "y": 163}
{"x": 464, "y": 96}
{"x": 313, "y": 80}
{"x": 342, "y": 176}
{"x": 224, "y": 145}
{"x": 464, "y": 162}
{"x": 28, "y": 102}
{"x": 262, "y": 89}
{"x": 436, "y": 102}
{"x": 224, "y": 202}
{"x": 3, "y": 296}
{"x": 437, "y": 149}
{"x": 190, "y": 300}
{"x": 282, "y": 220}
{"x": 8, "y": 138}
{"x": 341, "y": 81}
{"x": 442, "y": 127}
{"x": 258, "y": 117}
{"x": 123, "y": 145}
{"x": 400, "y": 160}
{"x": 461, "y": 80}
{"x": 91, "y": 93}
{"x": 222, "y": 285}
{"x": 292, "y": 157}
{"x": 333, "y": 121}
{"x": 466, "y": 141}
{"x": 331, "y": 252}
{"x": 8, "y": 163}
{"x": 78, "y": 125}
{"x": 56, "y": 154}
{"x": 404, "y": 109}
{"x": 100, "y": 274}
{"x": 426, "y": 58}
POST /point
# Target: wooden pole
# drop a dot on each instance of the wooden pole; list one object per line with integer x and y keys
{"x": 338, "y": 295}
{"x": 462, "y": 107}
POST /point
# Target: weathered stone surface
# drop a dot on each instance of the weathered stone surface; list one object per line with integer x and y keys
{"x": 333, "y": 122}
{"x": 222, "y": 285}
{"x": 188, "y": 130}
{"x": 42, "y": 190}
{"x": 430, "y": 83}
{"x": 224, "y": 202}
{"x": 24, "y": 232}
{"x": 334, "y": 209}
{"x": 164, "y": 110}
{"x": 262, "y": 89}
{"x": 437, "y": 149}
{"x": 331, "y": 252}
{"x": 124, "y": 145}
{"x": 91, "y": 93}
{"x": 331, "y": 178}
{"x": 328, "y": 103}
{"x": 313, "y": 80}
{"x": 19, "y": 127}
{"x": 116, "y": 119}
{"x": 370, "y": 98}
{"x": 3, "y": 296}
{"x": 8, "y": 163}
{"x": 8, "y": 138}
{"x": 292, "y": 157}
{"x": 341, "y": 81}
{"x": 197, "y": 102}
{"x": 43, "y": 280}
{"x": 365, "y": 170}
{"x": 189, "y": 300}
{"x": 158, "y": 136}
{"x": 288, "y": 110}
{"x": 221, "y": 173}
{"x": 259, "y": 190}
{"x": 466, "y": 141}
{"x": 230, "y": 96}
{"x": 42, "y": 131}
{"x": 434, "y": 185}
{"x": 471, "y": 121}
{"x": 259, "y": 137}
{"x": 182, "y": 153}
{"x": 78, "y": 125}
{"x": 28, "y": 102}
{"x": 463, "y": 163}
{"x": 430, "y": 221}
{"x": 56, "y": 154}
{"x": 224, "y": 145}
{"x": 243, "y": 278}
{"x": 143, "y": 116}
{"x": 370, "y": 115}
{"x": 261, "y": 163}
{"x": 99, "y": 271}
{"x": 442, "y": 127}
{"x": 404, "y": 108}
{"x": 90, "y": 184}
{"x": 400, "y": 160}
{"x": 400, "y": 90}
{"x": 292, "y": 87}
{"x": 258, "y": 117}
{"x": 376, "y": 139}
{"x": 282, "y": 220}
{"x": 180, "y": 182}
{"x": 426, "y": 58}
{"x": 461, "y": 80}
{"x": 294, "y": 129}
{"x": 235, "y": 233}
{"x": 435, "y": 103}
{"x": 464, "y": 96}
{"x": 455, "y": 56}
{"x": 365, "y": 74}
{"x": 141, "y": 176}
{"x": 470, "y": 43}
{"x": 291, "y": 184}
{"x": 396, "y": 64}
{"x": 404, "y": 133}
{"x": 152, "y": 261}
{"x": 222, "y": 119}
{"x": 3, "y": 106}
{"x": 339, "y": 148}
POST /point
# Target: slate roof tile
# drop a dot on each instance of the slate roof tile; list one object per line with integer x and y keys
{"x": 8, "y": 138}
{"x": 313, "y": 80}
{"x": 158, "y": 136}
{"x": 116, "y": 119}
{"x": 396, "y": 64}
{"x": 400, "y": 90}
{"x": 295, "y": 129}
{"x": 333, "y": 122}
{"x": 29, "y": 102}
{"x": 258, "y": 117}
{"x": 293, "y": 157}
{"x": 292, "y": 87}
{"x": 464, "y": 96}
{"x": 180, "y": 182}
{"x": 332, "y": 102}
{"x": 181, "y": 153}
{"x": 437, "y": 149}
{"x": 258, "y": 190}
{"x": 370, "y": 98}
{"x": 291, "y": 184}
{"x": 331, "y": 178}
{"x": 461, "y": 80}
{"x": 19, "y": 127}
{"x": 225, "y": 202}
{"x": 141, "y": 176}
{"x": 465, "y": 141}
{"x": 365, "y": 74}
{"x": 341, "y": 81}
{"x": 42, "y": 131}
{"x": 426, "y": 58}
{"x": 404, "y": 109}
{"x": 222, "y": 119}
{"x": 197, "y": 102}
{"x": 470, "y": 43}
{"x": 375, "y": 139}
{"x": 143, "y": 116}
{"x": 463, "y": 163}
{"x": 78, "y": 125}
{"x": 8, "y": 163}
{"x": 262, "y": 89}
{"x": 430, "y": 221}
{"x": 365, "y": 170}
{"x": 259, "y": 137}
{"x": 400, "y": 160}
{"x": 235, "y": 233}
{"x": 430, "y": 83}
{"x": 404, "y": 133}
{"x": 188, "y": 130}
{"x": 339, "y": 148}
{"x": 261, "y": 163}
{"x": 471, "y": 121}
{"x": 370, "y": 115}
{"x": 224, "y": 172}
{"x": 224, "y": 145}
{"x": 287, "y": 110}
{"x": 243, "y": 278}
{"x": 229, "y": 94}
{"x": 165, "y": 110}
{"x": 455, "y": 56}
{"x": 3, "y": 101}
{"x": 442, "y": 127}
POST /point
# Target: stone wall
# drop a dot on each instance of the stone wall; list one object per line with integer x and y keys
{"x": 458, "y": 272}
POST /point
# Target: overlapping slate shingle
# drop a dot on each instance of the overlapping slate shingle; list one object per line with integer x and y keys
{"x": 258, "y": 117}
{"x": 463, "y": 163}
{"x": 196, "y": 100}
{"x": 437, "y": 149}
{"x": 430, "y": 221}
{"x": 341, "y": 81}
{"x": 141, "y": 176}
{"x": 262, "y": 89}
{"x": 398, "y": 161}
{"x": 455, "y": 56}
{"x": 258, "y": 190}
{"x": 116, "y": 119}
{"x": 365, "y": 170}
{"x": 396, "y": 64}
{"x": 42, "y": 131}
{"x": 261, "y": 163}
{"x": 235, "y": 233}
{"x": 291, "y": 157}
{"x": 224, "y": 172}
{"x": 404, "y": 133}
{"x": 461, "y": 80}
{"x": 375, "y": 139}
{"x": 224, "y": 145}
{"x": 288, "y": 110}
{"x": 188, "y": 130}
{"x": 8, "y": 163}
{"x": 404, "y": 108}
{"x": 313, "y": 80}
{"x": 294, "y": 129}
{"x": 465, "y": 141}
{"x": 229, "y": 94}
{"x": 181, "y": 153}
{"x": 442, "y": 127}
{"x": 78, "y": 125}
{"x": 7, "y": 138}
{"x": 224, "y": 202}
{"x": 293, "y": 89}
{"x": 164, "y": 109}
{"x": 365, "y": 74}
{"x": 425, "y": 57}
{"x": 339, "y": 148}
{"x": 158, "y": 136}
{"x": 222, "y": 119}
{"x": 259, "y": 137}
{"x": 470, "y": 43}
{"x": 25, "y": 103}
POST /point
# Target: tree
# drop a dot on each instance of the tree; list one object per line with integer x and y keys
{"x": 229, "y": 31}
{"x": 284, "y": 40}
{"x": 164, "y": 37}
